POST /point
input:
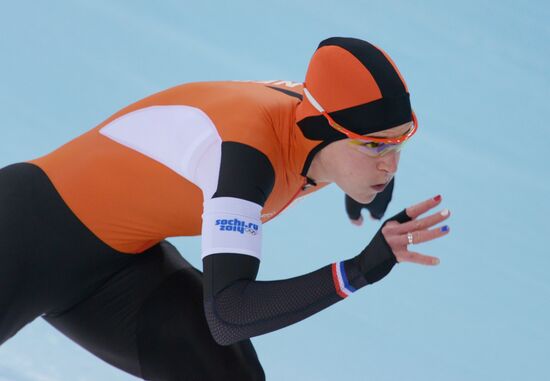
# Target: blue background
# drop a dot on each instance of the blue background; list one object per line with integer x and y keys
{"x": 479, "y": 79}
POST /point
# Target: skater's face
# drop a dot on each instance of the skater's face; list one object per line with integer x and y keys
{"x": 358, "y": 173}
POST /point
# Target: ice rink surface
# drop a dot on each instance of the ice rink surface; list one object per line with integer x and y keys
{"x": 479, "y": 81}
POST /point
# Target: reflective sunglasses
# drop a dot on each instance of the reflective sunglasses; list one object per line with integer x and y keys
{"x": 377, "y": 149}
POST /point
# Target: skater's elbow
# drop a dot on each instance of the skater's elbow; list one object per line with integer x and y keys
{"x": 222, "y": 332}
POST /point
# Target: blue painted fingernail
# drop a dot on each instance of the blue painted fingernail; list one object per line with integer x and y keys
{"x": 444, "y": 228}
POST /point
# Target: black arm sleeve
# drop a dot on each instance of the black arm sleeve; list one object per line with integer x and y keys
{"x": 376, "y": 207}
{"x": 238, "y": 307}
{"x": 244, "y": 307}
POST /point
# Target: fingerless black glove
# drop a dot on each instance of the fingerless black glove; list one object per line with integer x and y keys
{"x": 376, "y": 207}
{"x": 377, "y": 259}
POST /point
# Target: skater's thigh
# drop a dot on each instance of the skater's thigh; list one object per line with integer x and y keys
{"x": 148, "y": 320}
{"x": 105, "y": 323}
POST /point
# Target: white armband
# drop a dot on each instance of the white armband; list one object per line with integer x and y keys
{"x": 231, "y": 225}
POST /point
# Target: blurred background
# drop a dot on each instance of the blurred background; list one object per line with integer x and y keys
{"x": 479, "y": 82}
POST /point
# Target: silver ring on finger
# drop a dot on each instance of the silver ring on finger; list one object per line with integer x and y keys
{"x": 410, "y": 238}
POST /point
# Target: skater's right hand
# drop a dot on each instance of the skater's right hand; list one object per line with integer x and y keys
{"x": 390, "y": 244}
{"x": 396, "y": 233}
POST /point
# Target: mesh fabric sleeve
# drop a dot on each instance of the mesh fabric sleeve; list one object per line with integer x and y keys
{"x": 239, "y": 307}
{"x": 245, "y": 307}
{"x": 376, "y": 207}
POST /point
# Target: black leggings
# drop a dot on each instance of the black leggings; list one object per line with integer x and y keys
{"x": 141, "y": 313}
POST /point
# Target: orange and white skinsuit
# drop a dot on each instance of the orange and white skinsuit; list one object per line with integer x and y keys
{"x": 143, "y": 174}
{"x": 217, "y": 159}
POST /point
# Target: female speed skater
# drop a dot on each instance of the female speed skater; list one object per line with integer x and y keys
{"x": 83, "y": 229}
